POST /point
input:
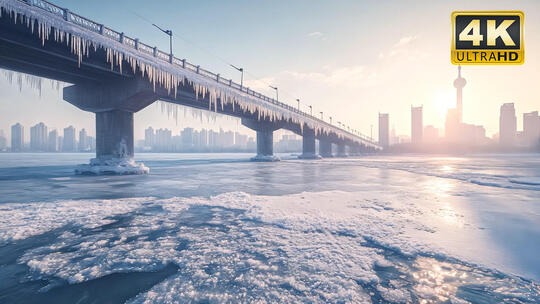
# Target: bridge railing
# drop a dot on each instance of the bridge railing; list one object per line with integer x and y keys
{"x": 182, "y": 63}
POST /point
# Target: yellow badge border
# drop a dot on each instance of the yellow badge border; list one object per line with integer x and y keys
{"x": 504, "y": 13}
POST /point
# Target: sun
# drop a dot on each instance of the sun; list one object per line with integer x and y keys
{"x": 444, "y": 100}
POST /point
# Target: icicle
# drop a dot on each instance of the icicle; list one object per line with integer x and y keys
{"x": 155, "y": 71}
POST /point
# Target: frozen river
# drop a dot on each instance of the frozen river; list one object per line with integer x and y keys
{"x": 218, "y": 228}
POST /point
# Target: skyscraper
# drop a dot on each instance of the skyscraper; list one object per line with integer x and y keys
{"x": 384, "y": 129}
{"x": 187, "y": 138}
{"x": 149, "y": 137}
{"x": 70, "y": 143}
{"x": 507, "y": 125}
{"x": 52, "y": 141}
{"x": 417, "y": 125}
{"x": 430, "y": 135}
{"x": 83, "y": 140}
{"x": 163, "y": 140}
{"x": 204, "y": 138}
{"x": 38, "y": 137}
{"x": 531, "y": 128}
{"x": 17, "y": 137}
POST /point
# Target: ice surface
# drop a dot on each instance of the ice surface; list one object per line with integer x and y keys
{"x": 265, "y": 158}
{"x": 327, "y": 246}
{"x": 532, "y": 181}
{"x": 342, "y": 230}
{"x": 121, "y": 166}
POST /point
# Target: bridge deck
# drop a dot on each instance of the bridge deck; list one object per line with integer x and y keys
{"x": 53, "y": 24}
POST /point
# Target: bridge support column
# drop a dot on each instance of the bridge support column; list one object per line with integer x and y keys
{"x": 308, "y": 144}
{"x": 265, "y": 138}
{"x": 114, "y": 105}
{"x": 114, "y": 146}
{"x": 342, "y": 150}
{"x": 114, "y": 134}
{"x": 325, "y": 148}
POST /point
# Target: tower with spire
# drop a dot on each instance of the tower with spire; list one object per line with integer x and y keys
{"x": 459, "y": 83}
{"x": 456, "y": 131}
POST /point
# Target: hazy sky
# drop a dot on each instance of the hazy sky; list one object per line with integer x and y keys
{"x": 349, "y": 59}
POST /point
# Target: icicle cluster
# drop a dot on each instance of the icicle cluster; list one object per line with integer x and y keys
{"x": 173, "y": 110}
{"x": 34, "y": 82}
{"x": 158, "y": 72}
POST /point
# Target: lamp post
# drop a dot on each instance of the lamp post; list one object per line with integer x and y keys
{"x": 298, "y": 100}
{"x": 277, "y": 95}
{"x": 310, "y": 110}
{"x": 168, "y": 32}
{"x": 322, "y": 117}
{"x": 241, "y": 70}
{"x": 330, "y": 119}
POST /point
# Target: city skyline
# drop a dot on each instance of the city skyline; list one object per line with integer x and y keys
{"x": 458, "y": 132}
{"x": 155, "y": 140}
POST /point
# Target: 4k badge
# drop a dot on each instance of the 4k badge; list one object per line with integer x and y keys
{"x": 487, "y": 37}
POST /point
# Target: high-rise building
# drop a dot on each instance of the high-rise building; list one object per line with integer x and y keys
{"x": 212, "y": 138}
{"x": 196, "y": 140}
{"x": 228, "y": 139}
{"x": 70, "y": 142}
{"x": 384, "y": 129}
{"x": 187, "y": 138}
{"x": 240, "y": 140}
{"x": 3, "y": 141}
{"x": 52, "y": 141}
{"x": 204, "y": 138}
{"x": 531, "y": 128}
{"x": 287, "y": 143}
{"x": 163, "y": 140}
{"x": 17, "y": 137}
{"x": 417, "y": 125}
{"x": 507, "y": 125}
{"x": 83, "y": 141}
{"x": 38, "y": 137}
{"x": 149, "y": 137}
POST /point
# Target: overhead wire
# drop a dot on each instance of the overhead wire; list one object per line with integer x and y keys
{"x": 228, "y": 63}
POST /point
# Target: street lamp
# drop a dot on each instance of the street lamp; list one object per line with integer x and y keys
{"x": 168, "y": 32}
{"x": 241, "y": 70}
{"x": 298, "y": 100}
{"x": 310, "y": 110}
{"x": 277, "y": 95}
{"x": 330, "y": 119}
{"x": 322, "y": 115}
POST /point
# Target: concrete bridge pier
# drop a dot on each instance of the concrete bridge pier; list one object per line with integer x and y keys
{"x": 114, "y": 105}
{"x": 342, "y": 150}
{"x": 325, "y": 148}
{"x": 114, "y": 134}
{"x": 265, "y": 138}
{"x": 308, "y": 144}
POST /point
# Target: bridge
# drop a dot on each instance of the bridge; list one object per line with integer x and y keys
{"x": 115, "y": 76}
